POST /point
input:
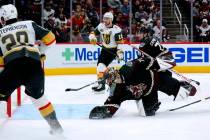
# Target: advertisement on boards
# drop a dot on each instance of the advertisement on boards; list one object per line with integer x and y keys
{"x": 86, "y": 55}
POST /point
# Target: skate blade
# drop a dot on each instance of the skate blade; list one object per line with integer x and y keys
{"x": 99, "y": 92}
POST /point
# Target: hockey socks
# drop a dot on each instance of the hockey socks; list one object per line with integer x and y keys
{"x": 47, "y": 111}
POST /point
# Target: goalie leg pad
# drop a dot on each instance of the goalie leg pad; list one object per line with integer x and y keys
{"x": 147, "y": 111}
{"x": 149, "y": 104}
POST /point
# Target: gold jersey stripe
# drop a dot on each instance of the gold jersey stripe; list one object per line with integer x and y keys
{"x": 48, "y": 38}
{"x": 1, "y": 61}
{"x": 32, "y": 49}
{"x": 46, "y": 110}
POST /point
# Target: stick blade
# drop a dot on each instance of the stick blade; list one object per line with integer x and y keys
{"x": 71, "y": 89}
{"x": 68, "y": 89}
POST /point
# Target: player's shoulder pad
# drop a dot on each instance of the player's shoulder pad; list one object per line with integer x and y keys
{"x": 117, "y": 29}
{"x": 151, "y": 39}
{"x": 27, "y": 21}
{"x": 101, "y": 27}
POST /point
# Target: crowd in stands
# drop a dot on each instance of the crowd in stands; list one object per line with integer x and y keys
{"x": 201, "y": 18}
{"x": 75, "y": 24}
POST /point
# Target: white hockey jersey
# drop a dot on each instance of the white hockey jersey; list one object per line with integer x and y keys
{"x": 110, "y": 36}
{"x": 18, "y": 39}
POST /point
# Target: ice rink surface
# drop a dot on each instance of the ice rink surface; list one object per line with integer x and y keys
{"x": 190, "y": 123}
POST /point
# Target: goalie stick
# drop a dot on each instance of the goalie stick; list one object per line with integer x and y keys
{"x": 174, "y": 109}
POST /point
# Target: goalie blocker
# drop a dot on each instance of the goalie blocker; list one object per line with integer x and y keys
{"x": 138, "y": 80}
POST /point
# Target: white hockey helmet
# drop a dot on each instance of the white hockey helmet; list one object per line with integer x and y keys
{"x": 8, "y": 12}
{"x": 109, "y": 15}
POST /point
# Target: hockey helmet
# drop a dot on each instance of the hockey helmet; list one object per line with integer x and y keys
{"x": 146, "y": 30}
{"x": 8, "y": 12}
{"x": 108, "y": 15}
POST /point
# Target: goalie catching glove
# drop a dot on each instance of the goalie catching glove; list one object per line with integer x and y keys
{"x": 92, "y": 38}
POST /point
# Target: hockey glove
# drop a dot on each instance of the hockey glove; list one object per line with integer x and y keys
{"x": 1, "y": 64}
{"x": 92, "y": 38}
{"x": 43, "y": 57}
{"x": 120, "y": 55}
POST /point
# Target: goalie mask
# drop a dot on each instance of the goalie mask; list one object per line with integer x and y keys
{"x": 112, "y": 75}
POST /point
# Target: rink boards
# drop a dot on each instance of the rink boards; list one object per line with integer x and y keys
{"x": 67, "y": 58}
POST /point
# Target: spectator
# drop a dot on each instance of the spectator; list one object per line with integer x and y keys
{"x": 78, "y": 20}
{"x": 204, "y": 9}
{"x": 115, "y": 4}
{"x": 93, "y": 16}
{"x": 158, "y": 30}
{"x": 140, "y": 14}
{"x": 48, "y": 12}
{"x": 135, "y": 6}
{"x": 196, "y": 9}
{"x": 76, "y": 36}
{"x": 203, "y": 31}
{"x": 125, "y": 9}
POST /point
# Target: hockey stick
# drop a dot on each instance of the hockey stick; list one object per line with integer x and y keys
{"x": 189, "y": 104}
{"x": 76, "y": 89}
{"x": 171, "y": 70}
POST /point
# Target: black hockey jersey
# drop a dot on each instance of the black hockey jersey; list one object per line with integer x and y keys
{"x": 152, "y": 46}
{"x": 136, "y": 75}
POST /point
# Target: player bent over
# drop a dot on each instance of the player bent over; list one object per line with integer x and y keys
{"x": 138, "y": 80}
{"x": 20, "y": 60}
{"x": 151, "y": 46}
{"x": 111, "y": 35}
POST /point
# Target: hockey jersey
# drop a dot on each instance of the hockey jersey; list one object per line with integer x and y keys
{"x": 18, "y": 40}
{"x": 152, "y": 47}
{"x": 135, "y": 75}
{"x": 110, "y": 36}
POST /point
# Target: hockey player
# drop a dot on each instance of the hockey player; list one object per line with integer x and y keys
{"x": 21, "y": 60}
{"x": 151, "y": 46}
{"x": 140, "y": 80}
{"x": 111, "y": 35}
{"x": 136, "y": 80}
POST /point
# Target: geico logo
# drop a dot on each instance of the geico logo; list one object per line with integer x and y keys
{"x": 84, "y": 54}
{"x": 190, "y": 54}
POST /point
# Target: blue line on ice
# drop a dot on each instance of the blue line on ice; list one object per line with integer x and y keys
{"x": 64, "y": 111}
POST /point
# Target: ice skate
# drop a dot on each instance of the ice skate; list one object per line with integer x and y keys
{"x": 99, "y": 87}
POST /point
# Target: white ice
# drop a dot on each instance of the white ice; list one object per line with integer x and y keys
{"x": 190, "y": 123}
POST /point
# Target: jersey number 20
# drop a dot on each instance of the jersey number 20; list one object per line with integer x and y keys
{"x": 11, "y": 40}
